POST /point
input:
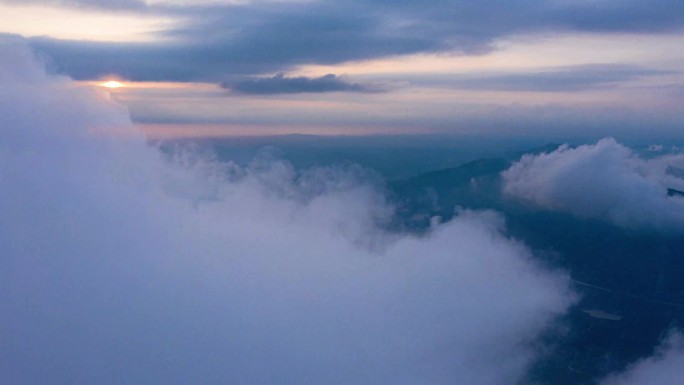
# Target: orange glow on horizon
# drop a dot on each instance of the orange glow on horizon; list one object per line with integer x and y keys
{"x": 112, "y": 84}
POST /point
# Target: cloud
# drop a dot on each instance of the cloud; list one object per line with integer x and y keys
{"x": 280, "y": 84}
{"x": 620, "y": 16}
{"x": 664, "y": 368}
{"x": 120, "y": 265}
{"x": 557, "y": 79}
{"x": 606, "y": 181}
{"x": 105, "y": 5}
{"x": 214, "y": 42}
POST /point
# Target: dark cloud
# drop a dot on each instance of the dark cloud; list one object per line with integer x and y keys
{"x": 214, "y": 42}
{"x": 620, "y": 16}
{"x": 280, "y": 84}
{"x": 138, "y": 61}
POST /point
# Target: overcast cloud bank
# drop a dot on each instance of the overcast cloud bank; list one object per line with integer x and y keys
{"x": 119, "y": 266}
{"x": 606, "y": 181}
{"x": 212, "y": 42}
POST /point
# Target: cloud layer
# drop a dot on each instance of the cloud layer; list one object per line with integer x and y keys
{"x": 606, "y": 181}
{"x": 214, "y": 42}
{"x": 121, "y": 266}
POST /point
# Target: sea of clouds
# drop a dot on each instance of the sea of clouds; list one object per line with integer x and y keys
{"x": 120, "y": 265}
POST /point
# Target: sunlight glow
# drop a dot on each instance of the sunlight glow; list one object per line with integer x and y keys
{"x": 112, "y": 84}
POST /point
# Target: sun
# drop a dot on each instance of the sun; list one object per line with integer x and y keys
{"x": 112, "y": 84}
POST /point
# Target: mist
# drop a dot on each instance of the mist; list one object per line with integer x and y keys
{"x": 121, "y": 265}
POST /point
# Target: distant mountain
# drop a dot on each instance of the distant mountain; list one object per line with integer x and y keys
{"x": 674, "y": 193}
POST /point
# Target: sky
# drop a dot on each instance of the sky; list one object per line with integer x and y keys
{"x": 555, "y": 68}
{"x": 119, "y": 265}
{"x": 124, "y": 264}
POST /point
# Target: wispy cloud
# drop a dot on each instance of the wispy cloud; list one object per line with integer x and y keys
{"x": 103, "y": 5}
{"x": 554, "y": 79}
{"x": 281, "y": 84}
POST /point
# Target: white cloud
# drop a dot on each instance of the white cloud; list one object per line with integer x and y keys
{"x": 605, "y": 180}
{"x": 665, "y": 367}
{"x": 118, "y": 266}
